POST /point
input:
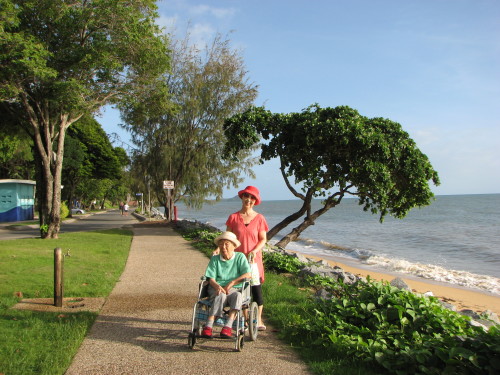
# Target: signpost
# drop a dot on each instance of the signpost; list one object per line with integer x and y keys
{"x": 168, "y": 186}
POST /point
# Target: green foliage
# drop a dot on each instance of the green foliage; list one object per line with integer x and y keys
{"x": 398, "y": 330}
{"x": 44, "y": 229}
{"x": 64, "y": 210}
{"x": 184, "y": 143}
{"x": 62, "y": 60}
{"x": 23, "y": 53}
{"x": 332, "y": 152}
{"x": 100, "y": 158}
{"x": 286, "y": 301}
{"x": 93, "y": 168}
{"x": 202, "y": 239}
{"x": 282, "y": 263}
{"x": 16, "y": 160}
{"x": 328, "y": 147}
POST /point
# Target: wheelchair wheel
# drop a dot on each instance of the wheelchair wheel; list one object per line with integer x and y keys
{"x": 192, "y": 340}
{"x": 253, "y": 315}
{"x": 240, "y": 341}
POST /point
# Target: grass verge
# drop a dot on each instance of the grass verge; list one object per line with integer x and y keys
{"x": 44, "y": 342}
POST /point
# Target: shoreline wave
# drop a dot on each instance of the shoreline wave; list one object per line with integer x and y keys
{"x": 395, "y": 265}
{"x": 378, "y": 262}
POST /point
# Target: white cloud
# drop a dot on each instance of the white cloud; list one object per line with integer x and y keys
{"x": 201, "y": 34}
{"x": 167, "y": 23}
{"x": 220, "y": 13}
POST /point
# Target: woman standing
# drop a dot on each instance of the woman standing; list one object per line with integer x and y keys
{"x": 250, "y": 228}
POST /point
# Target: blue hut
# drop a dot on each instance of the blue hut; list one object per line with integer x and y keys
{"x": 17, "y": 200}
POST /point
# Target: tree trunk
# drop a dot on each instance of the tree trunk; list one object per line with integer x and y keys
{"x": 294, "y": 234}
{"x": 70, "y": 204}
{"x": 69, "y": 192}
{"x": 103, "y": 204}
{"x": 48, "y": 137}
{"x": 168, "y": 214}
{"x": 306, "y": 207}
{"x": 308, "y": 221}
{"x": 51, "y": 169}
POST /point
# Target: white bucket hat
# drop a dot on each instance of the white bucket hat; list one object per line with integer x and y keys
{"x": 230, "y": 236}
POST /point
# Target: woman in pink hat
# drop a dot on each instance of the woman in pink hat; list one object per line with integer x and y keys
{"x": 251, "y": 227}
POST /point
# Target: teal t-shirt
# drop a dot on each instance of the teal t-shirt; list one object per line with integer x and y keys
{"x": 224, "y": 271}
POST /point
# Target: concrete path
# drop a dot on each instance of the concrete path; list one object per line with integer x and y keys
{"x": 144, "y": 324}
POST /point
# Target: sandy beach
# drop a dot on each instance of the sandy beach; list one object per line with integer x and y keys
{"x": 462, "y": 298}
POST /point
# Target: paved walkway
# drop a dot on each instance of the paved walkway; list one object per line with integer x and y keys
{"x": 144, "y": 324}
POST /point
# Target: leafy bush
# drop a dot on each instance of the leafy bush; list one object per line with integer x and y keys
{"x": 203, "y": 240}
{"x": 402, "y": 332}
{"x": 64, "y": 210}
{"x": 282, "y": 263}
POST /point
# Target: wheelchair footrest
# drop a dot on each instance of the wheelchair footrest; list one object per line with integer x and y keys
{"x": 202, "y": 315}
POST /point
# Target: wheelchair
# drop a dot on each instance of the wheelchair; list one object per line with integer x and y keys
{"x": 245, "y": 321}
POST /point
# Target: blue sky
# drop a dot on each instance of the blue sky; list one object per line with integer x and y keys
{"x": 431, "y": 65}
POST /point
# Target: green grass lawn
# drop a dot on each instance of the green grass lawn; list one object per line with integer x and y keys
{"x": 44, "y": 342}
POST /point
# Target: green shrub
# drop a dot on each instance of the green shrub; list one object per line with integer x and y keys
{"x": 398, "y": 330}
{"x": 64, "y": 210}
{"x": 202, "y": 239}
{"x": 279, "y": 262}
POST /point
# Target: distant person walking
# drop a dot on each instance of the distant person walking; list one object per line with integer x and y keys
{"x": 125, "y": 208}
{"x": 122, "y": 205}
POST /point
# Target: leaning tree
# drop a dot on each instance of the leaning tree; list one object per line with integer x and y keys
{"x": 62, "y": 59}
{"x": 334, "y": 152}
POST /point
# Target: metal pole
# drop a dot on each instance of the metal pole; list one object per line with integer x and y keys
{"x": 149, "y": 199}
{"x": 58, "y": 277}
{"x": 169, "y": 216}
{"x": 172, "y": 217}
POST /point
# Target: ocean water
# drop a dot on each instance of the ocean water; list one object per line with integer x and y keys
{"x": 454, "y": 240}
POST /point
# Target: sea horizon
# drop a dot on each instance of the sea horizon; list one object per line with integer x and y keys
{"x": 352, "y": 197}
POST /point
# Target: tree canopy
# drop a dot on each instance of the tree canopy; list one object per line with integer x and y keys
{"x": 61, "y": 60}
{"x": 333, "y": 152}
{"x": 89, "y": 157}
{"x": 184, "y": 143}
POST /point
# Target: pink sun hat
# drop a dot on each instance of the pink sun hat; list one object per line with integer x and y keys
{"x": 252, "y": 190}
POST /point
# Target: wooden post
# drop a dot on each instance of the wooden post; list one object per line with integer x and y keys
{"x": 58, "y": 277}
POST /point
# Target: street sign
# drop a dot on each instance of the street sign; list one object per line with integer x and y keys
{"x": 167, "y": 185}
{"x": 139, "y": 194}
